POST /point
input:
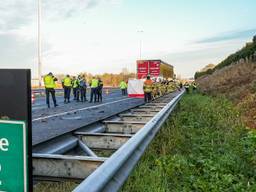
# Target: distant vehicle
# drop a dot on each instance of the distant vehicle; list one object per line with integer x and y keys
{"x": 155, "y": 68}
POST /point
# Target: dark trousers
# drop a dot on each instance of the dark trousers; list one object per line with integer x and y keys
{"x": 83, "y": 94}
{"x": 74, "y": 93}
{"x": 123, "y": 91}
{"x": 67, "y": 91}
{"x": 147, "y": 97}
{"x": 99, "y": 95}
{"x": 93, "y": 94}
{"x": 51, "y": 91}
{"x": 78, "y": 90}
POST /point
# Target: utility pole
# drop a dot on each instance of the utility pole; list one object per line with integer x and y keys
{"x": 39, "y": 43}
{"x": 140, "y": 32}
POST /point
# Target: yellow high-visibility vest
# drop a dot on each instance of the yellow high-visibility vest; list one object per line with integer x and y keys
{"x": 75, "y": 83}
{"x": 95, "y": 83}
{"x": 148, "y": 86}
{"x": 49, "y": 81}
{"x": 123, "y": 85}
{"x": 67, "y": 82}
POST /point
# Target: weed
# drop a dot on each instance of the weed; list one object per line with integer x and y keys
{"x": 202, "y": 147}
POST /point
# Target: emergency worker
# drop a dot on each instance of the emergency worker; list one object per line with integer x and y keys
{"x": 49, "y": 83}
{"x": 81, "y": 89}
{"x": 74, "y": 86}
{"x": 147, "y": 87}
{"x": 67, "y": 84}
{"x": 94, "y": 86}
{"x": 99, "y": 91}
{"x": 123, "y": 87}
{"x": 194, "y": 86}
{"x": 154, "y": 90}
{"x": 186, "y": 85}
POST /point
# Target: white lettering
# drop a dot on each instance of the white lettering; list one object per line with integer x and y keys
{"x": 4, "y": 144}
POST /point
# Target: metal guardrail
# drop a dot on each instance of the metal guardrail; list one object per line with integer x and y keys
{"x": 111, "y": 175}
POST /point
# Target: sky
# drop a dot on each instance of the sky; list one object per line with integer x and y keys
{"x": 99, "y": 36}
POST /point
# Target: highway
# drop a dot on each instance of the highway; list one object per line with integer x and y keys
{"x": 49, "y": 123}
{"x": 102, "y": 160}
{"x": 40, "y": 102}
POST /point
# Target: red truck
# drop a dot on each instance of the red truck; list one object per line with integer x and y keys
{"x": 154, "y": 68}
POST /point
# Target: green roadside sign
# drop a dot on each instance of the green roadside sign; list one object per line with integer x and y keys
{"x": 13, "y": 156}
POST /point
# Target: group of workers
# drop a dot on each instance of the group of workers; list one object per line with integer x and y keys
{"x": 154, "y": 89}
{"x": 79, "y": 86}
{"x": 193, "y": 86}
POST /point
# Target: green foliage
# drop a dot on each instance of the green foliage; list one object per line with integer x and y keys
{"x": 245, "y": 52}
{"x": 203, "y": 147}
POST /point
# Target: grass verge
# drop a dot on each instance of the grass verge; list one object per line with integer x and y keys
{"x": 202, "y": 147}
{"x": 55, "y": 187}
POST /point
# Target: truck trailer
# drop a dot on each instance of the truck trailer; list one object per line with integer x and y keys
{"x": 157, "y": 69}
{"x": 154, "y": 68}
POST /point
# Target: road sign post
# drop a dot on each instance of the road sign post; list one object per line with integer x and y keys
{"x": 15, "y": 131}
{"x": 13, "y": 156}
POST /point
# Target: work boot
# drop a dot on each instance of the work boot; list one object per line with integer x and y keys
{"x": 48, "y": 106}
{"x": 56, "y": 105}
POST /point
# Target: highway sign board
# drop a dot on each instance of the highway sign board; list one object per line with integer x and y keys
{"x": 15, "y": 130}
{"x": 13, "y": 156}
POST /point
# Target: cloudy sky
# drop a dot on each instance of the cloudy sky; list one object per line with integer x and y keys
{"x": 100, "y": 36}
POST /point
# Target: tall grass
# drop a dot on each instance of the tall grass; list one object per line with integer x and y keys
{"x": 203, "y": 147}
{"x": 54, "y": 187}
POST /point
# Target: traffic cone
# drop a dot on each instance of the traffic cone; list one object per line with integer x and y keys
{"x": 33, "y": 98}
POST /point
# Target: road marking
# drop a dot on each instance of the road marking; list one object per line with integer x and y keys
{"x": 43, "y": 106}
{"x": 42, "y": 101}
{"x": 76, "y": 110}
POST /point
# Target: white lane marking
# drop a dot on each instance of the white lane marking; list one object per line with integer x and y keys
{"x": 34, "y": 106}
{"x": 43, "y": 105}
{"x": 66, "y": 112}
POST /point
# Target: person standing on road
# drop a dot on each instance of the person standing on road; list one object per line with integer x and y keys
{"x": 94, "y": 86}
{"x": 147, "y": 87}
{"x": 49, "y": 83}
{"x": 186, "y": 85}
{"x": 99, "y": 91}
{"x": 123, "y": 87}
{"x": 82, "y": 88}
{"x": 74, "y": 86}
{"x": 194, "y": 86}
{"x": 67, "y": 84}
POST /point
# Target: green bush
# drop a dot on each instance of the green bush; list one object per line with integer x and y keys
{"x": 203, "y": 147}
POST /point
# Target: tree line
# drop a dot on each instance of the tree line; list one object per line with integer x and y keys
{"x": 109, "y": 79}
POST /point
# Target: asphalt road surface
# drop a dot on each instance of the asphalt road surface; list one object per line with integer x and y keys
{"x": 49, "y": 123}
